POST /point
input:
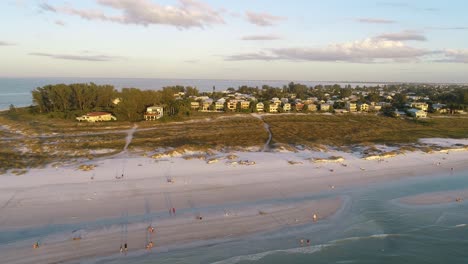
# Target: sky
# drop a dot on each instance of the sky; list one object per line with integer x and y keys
{"x": 334, "y": 40}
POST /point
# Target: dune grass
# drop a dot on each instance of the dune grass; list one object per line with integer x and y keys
{"x": 357, "y": 129}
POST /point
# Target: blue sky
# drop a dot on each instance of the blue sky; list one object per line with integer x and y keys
{"x": 425, "y": 41}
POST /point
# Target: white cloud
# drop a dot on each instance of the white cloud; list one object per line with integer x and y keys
{"x": 189, "y": 13}
{"x": 5, "y": 43}
{"x": 59, "y": 23}
{"x": 263, "y": 19}
{"x": 261, "y": 37}
{"x": 363, "y": 51}
{"x": 81, "y": 57}
{"x": 454, "y": 55}
{"x": 402, "y": 36}
{"x": 375, "y": 21}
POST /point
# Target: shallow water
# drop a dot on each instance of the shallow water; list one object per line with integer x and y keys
{"x": 372, "y": 228}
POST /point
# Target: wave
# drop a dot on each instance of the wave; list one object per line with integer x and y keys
{"x": 258, "y": 256}
{"x": 461, "y": 225}
{"x": 376, "y": 236}
{"x": 299, "y": 250}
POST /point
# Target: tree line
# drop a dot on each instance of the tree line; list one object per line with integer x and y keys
{"x": 71, "y": 100}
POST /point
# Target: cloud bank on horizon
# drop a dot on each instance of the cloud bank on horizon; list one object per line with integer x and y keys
{"x": 207, "y": 34}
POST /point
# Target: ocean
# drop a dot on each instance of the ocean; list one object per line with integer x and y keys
{"x": 17, "y": 91}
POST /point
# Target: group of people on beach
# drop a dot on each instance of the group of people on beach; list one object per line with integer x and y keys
{"x": 123, "y": 249}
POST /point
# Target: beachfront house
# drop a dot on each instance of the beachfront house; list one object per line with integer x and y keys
{"x": 153, "y": 113}
{"x": 312, "y": 107}
{"x": 273, "y": 108}
{"x": 324, "y": 107}
{"x": 375, "y": 107}
{"x": 417, "y": 113}
{"x": 96, "y": 117}
{"x": 219, "y": 105}
{"x": 299, "y": 107}
{"x": 421, "y": 106}
{"x": 194, "y": 105}
{"x": 232, "y": 105}
{"x": 205, "y": 105}
{"x": 276, "y": 101}
{"x": 351, "y": 107}
{"x": 287, "y": 107}
{"x": 245, "y": 105}
{"x": 260, "y": 107}
{"x": 364, "y": 107}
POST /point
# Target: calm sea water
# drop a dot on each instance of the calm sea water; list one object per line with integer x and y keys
{"x": 17, "y": 91}
{"x": 371, "y": 228}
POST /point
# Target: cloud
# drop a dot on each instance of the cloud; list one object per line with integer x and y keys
{"x": 404, "y": 35}
{"x": 364, "y": 51}
{"x": 188, "y": 14}
{"x": 5, "y": 43}
{"x": 261, "y": 37}
{"x": 59, "y": 23}
{"x": 403, "y": 5}
{"x": 375, "y": 21}
{"x": 447, "y": 28}
{"x": 192, "y": 61}
{"x": 455, "y": 56}
{"x": 81, "y": 57}
{"x": 263, "y": 19}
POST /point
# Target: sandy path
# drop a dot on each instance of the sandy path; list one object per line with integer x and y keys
{"x": 129, "y": 137}
{"x": 266, "y": 147}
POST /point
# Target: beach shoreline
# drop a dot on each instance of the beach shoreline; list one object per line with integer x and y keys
{"x": 269, "y": 192}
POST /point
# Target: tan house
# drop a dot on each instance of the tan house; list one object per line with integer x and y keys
{"x": 219, "y": 106}
{"x": 273, "y": 108}
{"x": 287, "y": 107}
{"x": 417, "y": 113}
{"x": 312, "y": 107}
{"x": 364, "y": 107}
{"x": 232, "y": 105}
{"x": 153, "y": 113}
{"x": 245, "y": 105}
{"x": 324, "y": 107}
{"x": 96, "y": 117}
{"x": 194, "y": 105}
{"x": 260, "y": 107}
{"x": 206, "y": 105}
{"x": 376, "y": 108}
{"x": 351, "y": 107}
{"x": 299, "y": 107}
{"x": 421, "y": 106}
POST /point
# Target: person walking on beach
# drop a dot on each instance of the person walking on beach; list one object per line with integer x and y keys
{"x": 173, "y": 211}
{"x": 315, "y": 218}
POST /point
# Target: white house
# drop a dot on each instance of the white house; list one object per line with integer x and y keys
{"x": 153, "y": 113}
{"x": 260, "y": 107}
{"x": 96, "y": 117}
{"x": 417, "y": 113}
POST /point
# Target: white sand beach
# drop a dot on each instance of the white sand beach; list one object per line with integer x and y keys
{"x": 232, "y": 199}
